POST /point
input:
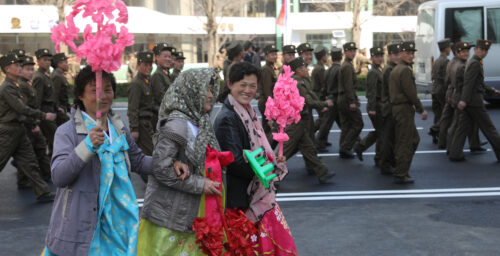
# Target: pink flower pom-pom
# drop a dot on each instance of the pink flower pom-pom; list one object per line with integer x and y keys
{"x": 287, "y": 103}
{"x": 281, "y": 137}
{"x": 103, "y": 49}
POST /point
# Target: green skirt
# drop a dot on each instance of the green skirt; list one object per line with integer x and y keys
{"x": 155, "y": 240}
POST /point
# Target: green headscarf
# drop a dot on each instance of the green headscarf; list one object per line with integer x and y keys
{"x": 185, "y": 99}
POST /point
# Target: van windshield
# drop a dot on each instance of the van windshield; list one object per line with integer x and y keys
{"x": 464, "y": 24}
{"x": 425, "y": 21}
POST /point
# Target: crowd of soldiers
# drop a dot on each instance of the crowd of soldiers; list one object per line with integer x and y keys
{"x": 34, "y": 103}
{"x": 392, "y": 101}
{"x": 457, "y": 100}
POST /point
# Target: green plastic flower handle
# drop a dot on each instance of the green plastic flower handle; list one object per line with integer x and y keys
{"x": 256, "y": 162}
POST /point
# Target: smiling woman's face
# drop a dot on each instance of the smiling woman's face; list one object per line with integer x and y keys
{"x": 89, "y": 97}
{"x": 244, "y": 90}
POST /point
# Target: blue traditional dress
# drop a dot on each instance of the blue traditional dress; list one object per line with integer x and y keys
{"x": 117, "y": 228}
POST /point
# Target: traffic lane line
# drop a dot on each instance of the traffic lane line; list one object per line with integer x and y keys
{"x": 417, "y": 152}
{"x": 382, "y": 192}
{"x": 400, "y": 196}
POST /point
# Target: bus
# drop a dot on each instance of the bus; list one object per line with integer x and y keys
{"x": 458, "y": 20}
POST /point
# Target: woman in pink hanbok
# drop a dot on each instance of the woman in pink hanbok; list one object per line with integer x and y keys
{"x": 237, "y": 128}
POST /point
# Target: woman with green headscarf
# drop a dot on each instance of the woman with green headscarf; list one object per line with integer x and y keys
{"x": 175, "y": 192}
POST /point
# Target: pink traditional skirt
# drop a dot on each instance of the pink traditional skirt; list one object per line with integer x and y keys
{"x": 273, "y": 235}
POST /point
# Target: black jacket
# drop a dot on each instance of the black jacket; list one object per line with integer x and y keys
{"x": 232, "y": 136}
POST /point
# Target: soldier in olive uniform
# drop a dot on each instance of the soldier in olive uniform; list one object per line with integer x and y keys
{"x": 161, "y": 79}
{"x": 374, "y": 96}
{"x": 178, "y": 65}
{"x": 289, "y": 52}
{"x": 140, "y": 104}
{"x": 299, "y": 134}
{"x": 33, "y": 131}
{"x": 318, "y": 74}
{"x": 13, "y": 137}
{"x": 306, "y": 52}
{"x": 404, "y": 100}
{"x": 449, "y": 107}
{"x": 266, "y": 87}
{"x": 386, "y": 152}
{"x": 44, "y": 94}
{"x": 471, "y": 106}
{"x": 439, "y": 87}
{"x": 332, "y": 92}
{"x": 319, "y": 86}
{"x": 61, "y": 86}
{"x": 350, "y": 115}
{"x": 455, "y": 79}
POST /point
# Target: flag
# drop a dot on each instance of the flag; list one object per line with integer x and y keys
{"x": 281, "y": 21}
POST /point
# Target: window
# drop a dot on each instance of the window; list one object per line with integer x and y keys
{"x": 494, "y": 25}
{"x": 464, "y": 24}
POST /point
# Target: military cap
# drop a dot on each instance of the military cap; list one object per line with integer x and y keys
{"x": 376, "y": 51}
{"x": 27, "y": 60}
{"x": 443, "y": 44}
{"x": 483, "y": 44}
{"x": 462, "y": 46}
{"x": 336, "y": 53}
{"x": 180, "y": 56}
{"x": 350, "y": 46}
{"x": 297, "y": 63}
{"x": 270, "y": 48}
{"x": 304, "y": 48}
{"x": 19, "y": 52}
{"x": 144, "y": 57}
{"x": 320, "y": 51}
{"x": 161, "y": 47}
{"x": 394, "y": 48}
{"x": 58, "y": 58}
{"x": 289, "y": 49}
{"x": 234, "y": 48}
{"x": 408, "y": 46}
{"x": 42, "y": 53}
{"x": 9, "y": 59}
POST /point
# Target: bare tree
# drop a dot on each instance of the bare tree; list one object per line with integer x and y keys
{"x": 214, "y": 9}
{"x": 60, "y": 4}
{"x": 397, "y": 7}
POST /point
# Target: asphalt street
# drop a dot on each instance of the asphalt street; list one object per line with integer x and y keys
{"x": 452, "y": 209}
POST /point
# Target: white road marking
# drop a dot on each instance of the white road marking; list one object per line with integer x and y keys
{"x": 368, "y": 130}
{"x": 383, "y": 194}
{"x": 373, "y": 153}
{"x": 401, "y": 196}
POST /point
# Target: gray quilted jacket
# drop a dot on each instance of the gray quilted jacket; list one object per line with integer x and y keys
{"x": 169, "y": 202}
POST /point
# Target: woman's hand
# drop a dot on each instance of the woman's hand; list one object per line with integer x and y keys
{"x": 135, "y": 136}
{"x": 281, "y": 159}
{"x": 97, "y": 136}
{"x": 211, "y": 188}
{"x": 181, "y": 169}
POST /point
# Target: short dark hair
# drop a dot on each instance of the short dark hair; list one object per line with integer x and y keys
{"x": 237, "y": 72}
{"x": 85, "y": 77}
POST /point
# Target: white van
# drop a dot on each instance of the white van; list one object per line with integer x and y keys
{"x": 459, "y": 20}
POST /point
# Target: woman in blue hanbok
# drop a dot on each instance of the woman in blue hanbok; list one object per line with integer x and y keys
{"x": 95, "y": 211}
